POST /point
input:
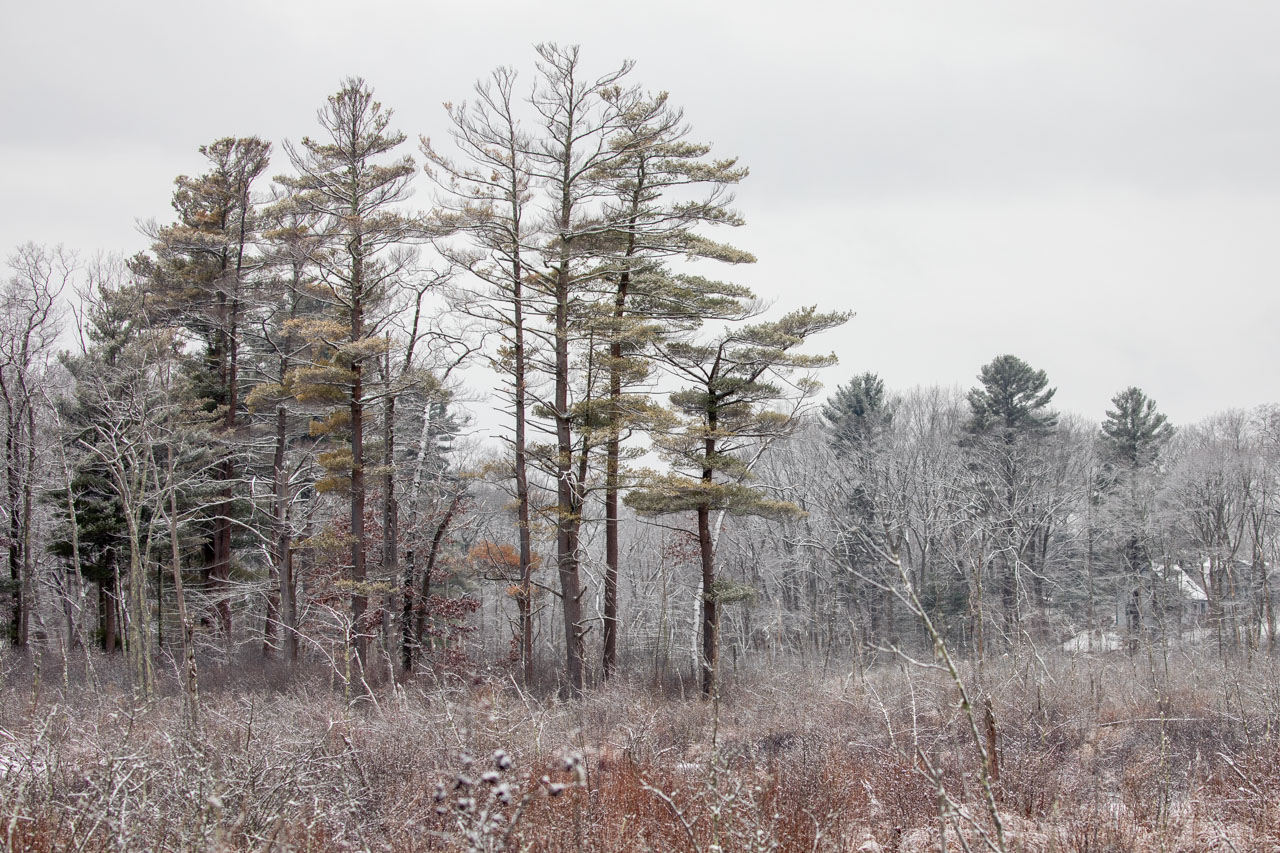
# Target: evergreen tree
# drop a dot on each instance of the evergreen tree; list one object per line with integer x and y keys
{"x": 858, "y": 419}
{"x": 578, "y": 117}
{"x": 1011, "y": 400}
{"x": 1134, "y": 432}
{"x": 351, "y": 192}
{"x": 1133, "y": 436}
{"x": 649, "y": 225}
{"x": 619, "y": 224}
{"x": 285, "y": 299}
{"x": 487, "y": 194}
{"x": 724, "y": 412}
{"x": 857, "y": 412}
{"x": 197, "y": 283}
{"x": 1008, "y": 418}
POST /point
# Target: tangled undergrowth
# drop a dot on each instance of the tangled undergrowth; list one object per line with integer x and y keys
{"x": 1103, "y": 753}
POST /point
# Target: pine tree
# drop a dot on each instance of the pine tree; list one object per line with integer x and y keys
{"x": 724, "y": 413}
{"x": 197, "y": 282}
{"x": 1133, "y": 436}
{"x": 578, "y": 118}
{"x": 858, "y": 419}
{"x": 1134, "y": 432}
{"x": 857, "y": 412}
{"x": 649, "y": 225}
{"x": 284, "y": 300}
{"x": 352, "y": 192}
{"x": 486, "y": 198}
{"x": 1011, "y": 401}
{"x": 604, "y": 160}
{"x": 1008, "y": 418}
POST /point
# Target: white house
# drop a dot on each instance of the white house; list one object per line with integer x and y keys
{"x": 1168, "y": 586}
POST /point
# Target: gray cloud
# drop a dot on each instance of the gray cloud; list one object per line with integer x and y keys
{"x": 1091, "y": 185}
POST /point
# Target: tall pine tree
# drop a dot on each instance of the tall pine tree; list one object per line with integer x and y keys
{"x": 725, "y": 411}
{"x": 197, "y": 280}
{"x": 351, "y": 184}
{"x": 1009, "y": 414}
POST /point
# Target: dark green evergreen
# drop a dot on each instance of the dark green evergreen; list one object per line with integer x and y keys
{"x": 1011, "y": 400}
{"x": 857, "y": 417}
{"x": 1134, "y": 432}
{"x": 1008, "y": 417}
{"x": 1133, "y": 435}
{"x": 857, "y": 412}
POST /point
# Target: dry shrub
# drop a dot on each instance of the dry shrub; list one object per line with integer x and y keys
{"x": 1094, "y": 755}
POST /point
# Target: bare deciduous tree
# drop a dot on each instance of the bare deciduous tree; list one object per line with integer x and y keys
{"x": 29, "y": 326}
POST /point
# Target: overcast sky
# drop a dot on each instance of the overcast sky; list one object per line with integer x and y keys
{"x": 1093, "y": 185}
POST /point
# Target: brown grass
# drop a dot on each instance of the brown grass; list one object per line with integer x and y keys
{"x": 1098, "y": 754}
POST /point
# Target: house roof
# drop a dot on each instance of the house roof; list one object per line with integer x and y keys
{"x": 1187, "y": 588}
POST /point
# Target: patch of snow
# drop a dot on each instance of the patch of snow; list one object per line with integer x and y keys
{"x": 1102, "y": 641}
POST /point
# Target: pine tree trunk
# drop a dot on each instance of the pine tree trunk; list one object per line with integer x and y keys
{"x": 566, "y": 504}
{"x": 218, "y": 574}
{"x": 710, "y": 610}
{"x": 613, "y": 450}
{"x": 284, "y": 542}
{"x": 107, "y": 610}
{"x": 359, "y": 597}
{"x": 706, "y": 549}
{"x": 524, "y": 522}
{"x": 567, "y": 562}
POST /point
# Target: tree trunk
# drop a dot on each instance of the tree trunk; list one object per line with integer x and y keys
{"x": 219, "y": 573}
{"x": 284, "y": 542}
{"x": 390, "y": 504}
{"x": 567, "y": 510}
{"x": 191, "y": 688}
{"x": 359, "y": 596}
{"x": 137, "y": 630}
{"x": 613, "y": 451}
{"x": 107, "y": 610}
{"x": 710, "y": 610}
{"x": 13, "y": 484}
{"x": 407, "y": 643}
{"x": 706, "y": 549}
{"x": 73, "y": 605}
{"x": 524, "y": 528}
{"x": 420, "y": 625}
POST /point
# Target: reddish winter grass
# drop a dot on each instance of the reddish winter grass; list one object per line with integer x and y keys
{"x": 1110, "y": 753}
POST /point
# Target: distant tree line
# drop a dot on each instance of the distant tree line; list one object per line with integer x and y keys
{"x": 1014, "y": 524}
